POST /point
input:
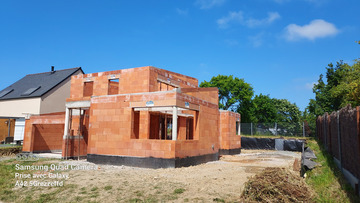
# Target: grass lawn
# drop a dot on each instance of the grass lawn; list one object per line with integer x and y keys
{"x": 326, "y": 179}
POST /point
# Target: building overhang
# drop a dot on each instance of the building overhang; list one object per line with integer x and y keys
{"x": 78, "y": 104}
{"x": 165, "y": 110}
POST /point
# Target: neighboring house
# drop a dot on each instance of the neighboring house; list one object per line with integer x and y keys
{"x": 34, "y": 94}
{"x": 7, "y": 127}
{"x": 147, "y": 117}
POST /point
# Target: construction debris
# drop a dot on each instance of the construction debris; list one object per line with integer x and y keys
{"x": 276, "y": 185}
{"x": 307, "y": 157}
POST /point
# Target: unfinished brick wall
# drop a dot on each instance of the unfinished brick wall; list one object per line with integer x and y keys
{"x": 228, "y": 132}
{"x": 77, "y": 143}
{"x": 206, "y": 125}
{"x": 112, "y": 130}
{"x": 134, "y": 80}
{"x": 44, "y": 132}
{"x": 113, "y": 126}
{"x": 70, "y": 147}
{"x": 205, "y": 136}
{"x": 204, "y": 93}
{"x": 131, "y": 113}
{"x": 48, "y": 137}
{"x": 163, "y": 80}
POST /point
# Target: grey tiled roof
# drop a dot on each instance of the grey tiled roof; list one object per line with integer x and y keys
{"x": 36, "y": 85}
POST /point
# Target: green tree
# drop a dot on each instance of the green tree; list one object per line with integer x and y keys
{"x": 309, "y": 120}
{"x": 234, "y": 94}
{"x": 288, "y": 117}
{"x": 268, "y": 111}
{"x": 264, "y": 109}
{"x": 325, "y": 99}
{"x": 287, "y": 112}
{"x": 342, "y": 88}
{"x": 348, "y": 89}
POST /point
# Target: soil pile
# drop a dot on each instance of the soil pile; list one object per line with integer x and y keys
{"x": 276, "y": 185}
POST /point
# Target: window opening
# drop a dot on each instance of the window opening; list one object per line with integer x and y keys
{"x": 136, "y": 127}
{"x": 169, "y": 128}
{"x": 189, "y": 128}
{"x": 237, "y": 130}
{"x": 88, "y": 89}
{"x": 165, "y": 87}
{"x": 113, "y": 86}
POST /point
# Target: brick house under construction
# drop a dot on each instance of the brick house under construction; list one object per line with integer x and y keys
{"x": 146, "y": 117}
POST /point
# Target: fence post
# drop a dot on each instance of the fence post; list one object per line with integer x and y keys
{"x": 324, "y": 134}
{"x": 303, "y": 127}
{"x": 275, "y": 128}
{"x": 251, "y": 128}
{"x": 339, "y": 140}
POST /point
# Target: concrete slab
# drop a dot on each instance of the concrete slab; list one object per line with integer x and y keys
{"x": 54, "y": 155}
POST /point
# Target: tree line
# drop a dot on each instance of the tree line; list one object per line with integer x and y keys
{"x": 341, "y": 88}
{"x": 238, "y": 96}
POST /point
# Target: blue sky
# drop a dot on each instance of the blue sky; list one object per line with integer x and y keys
{"x": 279, "y": 46}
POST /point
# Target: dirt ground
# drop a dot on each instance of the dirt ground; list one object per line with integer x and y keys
{"x": 221, "y": 181}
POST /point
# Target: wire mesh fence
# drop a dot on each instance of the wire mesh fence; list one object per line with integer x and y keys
{"x": 273, "y": 129}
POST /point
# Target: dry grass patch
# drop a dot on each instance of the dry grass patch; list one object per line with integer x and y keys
{"x": 10, "y": 151}
{"x": 277, "y": 185}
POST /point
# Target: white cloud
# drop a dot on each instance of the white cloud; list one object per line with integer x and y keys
{"x": 183, "y": 12}
{"x": 207, "y": 4}
{"x": 272, "y": 16}
{"x": 238, "y": 17}
{"x": 315, "y": 29}
{"x": 232, "y": 17}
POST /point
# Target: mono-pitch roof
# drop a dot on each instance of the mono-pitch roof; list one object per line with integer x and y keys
{"x": 36, "y": 85}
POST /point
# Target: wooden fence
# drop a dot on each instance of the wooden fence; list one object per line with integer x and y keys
{"x": 340, "y": 134}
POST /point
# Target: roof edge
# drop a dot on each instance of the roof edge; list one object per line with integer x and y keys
{"x": 69, "y": 76}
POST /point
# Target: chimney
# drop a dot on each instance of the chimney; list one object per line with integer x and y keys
{"x": 52, "y": 68}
